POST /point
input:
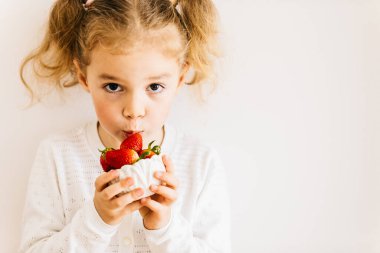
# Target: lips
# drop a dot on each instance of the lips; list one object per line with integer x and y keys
{"x": 130, "y": 132}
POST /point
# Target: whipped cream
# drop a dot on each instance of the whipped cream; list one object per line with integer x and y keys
{"x": 142, "y": 173}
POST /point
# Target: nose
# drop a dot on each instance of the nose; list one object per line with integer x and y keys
{"x": 134, "y": 107}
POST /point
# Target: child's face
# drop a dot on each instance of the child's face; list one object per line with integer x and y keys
{"x": 132, "y": 92}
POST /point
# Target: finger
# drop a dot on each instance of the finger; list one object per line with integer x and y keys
{"x": 168, "y": 179}
{"x": 143, "y": 210}
{"x": 114, "y": 189}
{"x": 151, "y": 204}
{"x": 169, "y": 194}
{"x": 102, "y": 181}
{"x": 127, "y": 198}
{"x": 168, "y": 163}
{"x": 135, "y": 205}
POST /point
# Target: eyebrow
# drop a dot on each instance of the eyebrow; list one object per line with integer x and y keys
{"x": 108, "y": 77}
{"x": 113, "y": 78}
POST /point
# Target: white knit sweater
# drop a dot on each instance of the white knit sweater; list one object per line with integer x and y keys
{"x": 59, "y": 214}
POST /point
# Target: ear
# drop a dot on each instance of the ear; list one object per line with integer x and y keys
{"x": 182, "y": 77}
{"x": 81, "y": 76}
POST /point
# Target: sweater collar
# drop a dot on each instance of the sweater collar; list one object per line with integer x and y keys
{"x": 94, "y": 142}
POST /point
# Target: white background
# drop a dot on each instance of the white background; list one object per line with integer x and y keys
{"x": 296, "y": 119}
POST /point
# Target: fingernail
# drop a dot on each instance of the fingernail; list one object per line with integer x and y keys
{"x": 126, "y": 182}
{"x": 158, "y": 174}
{"x": 154, "y": 187}
{"x": 139, "y": 192}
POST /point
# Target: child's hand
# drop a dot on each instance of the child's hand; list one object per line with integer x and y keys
{"x": 156, "y": 209}
{"x": 110, "y": 207}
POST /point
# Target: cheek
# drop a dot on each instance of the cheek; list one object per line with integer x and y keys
{"x": 161, "y": 108}
{"x": 104, "y": 110}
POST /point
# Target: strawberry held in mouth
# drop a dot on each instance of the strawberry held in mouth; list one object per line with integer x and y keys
{"x": 133, "y": 141}
{"x": 129, "y": 153}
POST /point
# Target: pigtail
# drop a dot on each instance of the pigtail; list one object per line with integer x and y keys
{"x": 201, "y": 24}
{"x": 53, "y": 59}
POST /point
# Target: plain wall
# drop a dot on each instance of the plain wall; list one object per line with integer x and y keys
{"x": 296, "y": 119}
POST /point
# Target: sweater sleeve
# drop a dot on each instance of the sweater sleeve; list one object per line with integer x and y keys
{"x": 210, "y": 231}
{"x": 44, "y": 228}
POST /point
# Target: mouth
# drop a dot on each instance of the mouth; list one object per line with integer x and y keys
{"x": 129, "y": 133}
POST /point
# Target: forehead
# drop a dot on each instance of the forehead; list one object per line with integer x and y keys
{"x": 144, "y": 61}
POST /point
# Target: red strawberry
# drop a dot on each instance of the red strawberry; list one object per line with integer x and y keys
{"x": 106, "y": 167}
{"x": 118, "y": 158}
{"x": 146, "y": 154}
{"x": 133, "y": 141}
{"x": 149, "y": 152}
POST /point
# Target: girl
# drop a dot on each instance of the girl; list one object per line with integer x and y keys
{"x": 131, "y": 56}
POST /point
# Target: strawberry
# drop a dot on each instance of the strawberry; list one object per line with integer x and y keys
{"x": 149, "y": 152}
{"x": 133, "y": 141}
{"x": 106, "y": 167}
{"x": 146, "y": 154}
{"x": 119, "y": 157}
{"x": 130, "y": 152}
{"x": 111, "y": 159}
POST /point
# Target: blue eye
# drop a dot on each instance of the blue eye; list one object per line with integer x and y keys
{"x": 112, "y": 87}
{"x": 156, "y": 88}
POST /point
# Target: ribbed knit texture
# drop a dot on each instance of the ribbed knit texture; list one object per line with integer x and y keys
{"x": 59, "y": 214}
